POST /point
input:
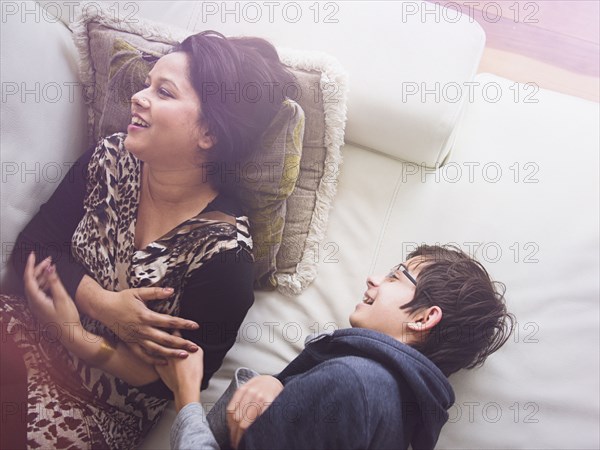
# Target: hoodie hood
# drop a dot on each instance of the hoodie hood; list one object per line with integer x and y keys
{"x": 431, "y": 388}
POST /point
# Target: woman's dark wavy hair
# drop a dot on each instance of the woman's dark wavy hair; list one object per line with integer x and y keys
{"x": 475, "y": 322}
{"x": 241, "y": 83}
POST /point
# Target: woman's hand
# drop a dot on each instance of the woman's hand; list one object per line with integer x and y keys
{"x": 142, "y": 329}
{"x": 249, "y": 402}
{"x": 50, "y": 303}
{"x": 57, "y": 307}
{"x": 183, "y": 377}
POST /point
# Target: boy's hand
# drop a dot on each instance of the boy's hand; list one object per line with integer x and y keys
{"x": 248, "y": 403}
{"x": 184, "y": 377}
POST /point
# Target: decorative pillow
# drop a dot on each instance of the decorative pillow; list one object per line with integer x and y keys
{"x": 268, "y": 179}
{"x": 287, "y": 229}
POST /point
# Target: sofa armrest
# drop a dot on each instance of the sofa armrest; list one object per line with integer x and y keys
{"x": 44, "y": 119}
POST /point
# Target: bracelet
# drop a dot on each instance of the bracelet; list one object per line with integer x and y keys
{"x": 103, "y": 354}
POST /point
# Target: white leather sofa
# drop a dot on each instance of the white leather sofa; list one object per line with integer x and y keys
{"x": 519, "y": 190}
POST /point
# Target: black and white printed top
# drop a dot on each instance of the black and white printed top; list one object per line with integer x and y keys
{"x": 88, "y": 226}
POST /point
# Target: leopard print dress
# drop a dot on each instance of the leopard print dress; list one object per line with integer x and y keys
{"x": 70, "y": 403}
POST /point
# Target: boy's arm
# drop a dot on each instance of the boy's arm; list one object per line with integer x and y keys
{"x": 184, "y": 378}
{"x": 324, "y": 408}
{"x": 248, "y": 403}
{"x": 191, "y": 430}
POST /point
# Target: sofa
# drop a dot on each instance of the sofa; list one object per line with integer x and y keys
{"x": 433, "y": 153}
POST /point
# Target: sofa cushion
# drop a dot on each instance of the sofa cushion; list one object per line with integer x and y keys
{"x": 117, "y": 53}
{"x": 411, "y": 62}
{"x": 534, "y": 226}
{"x": 42, "y": 121}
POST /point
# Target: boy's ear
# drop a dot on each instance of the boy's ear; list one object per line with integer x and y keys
{"x": 426, "y": 319}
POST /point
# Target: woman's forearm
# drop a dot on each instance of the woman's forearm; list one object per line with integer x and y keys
{"x": 129, "y": 367}
{"x": 51, "y": 229}
{"x": 86, "y": 296}
{"x": 119, "y": 361}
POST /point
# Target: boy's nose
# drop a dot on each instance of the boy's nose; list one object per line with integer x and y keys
{"x": 374, "y": 280}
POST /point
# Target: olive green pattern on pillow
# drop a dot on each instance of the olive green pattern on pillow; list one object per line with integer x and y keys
{"x": 128, "y": 68}
{"x": 269, "y": 178}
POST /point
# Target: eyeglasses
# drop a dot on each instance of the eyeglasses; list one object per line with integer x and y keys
{"x": 401, "y": 268}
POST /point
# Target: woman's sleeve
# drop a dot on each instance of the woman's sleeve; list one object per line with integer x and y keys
{"x": 217, "y": 297}
{"x": 50, "y": 231}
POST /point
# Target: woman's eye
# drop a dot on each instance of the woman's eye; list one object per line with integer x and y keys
{"x": 162, "y": 91}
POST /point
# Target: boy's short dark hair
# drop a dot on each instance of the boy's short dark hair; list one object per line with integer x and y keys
{"x": 475, "y": 322}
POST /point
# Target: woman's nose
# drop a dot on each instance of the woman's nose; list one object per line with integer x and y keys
{"x": 139, "y": 99}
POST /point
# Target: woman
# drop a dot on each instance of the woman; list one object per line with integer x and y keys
{"x": 150, "y": 217}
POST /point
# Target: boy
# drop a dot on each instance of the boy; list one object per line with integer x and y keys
{"x": 381, "y": 384}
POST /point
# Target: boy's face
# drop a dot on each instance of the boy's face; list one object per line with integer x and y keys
{"x": 381, "y": 309}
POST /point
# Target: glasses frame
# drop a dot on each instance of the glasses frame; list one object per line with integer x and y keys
{"x": 402, "y": 268}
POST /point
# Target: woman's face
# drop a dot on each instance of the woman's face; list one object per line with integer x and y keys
{"x": 164, "y": 129}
